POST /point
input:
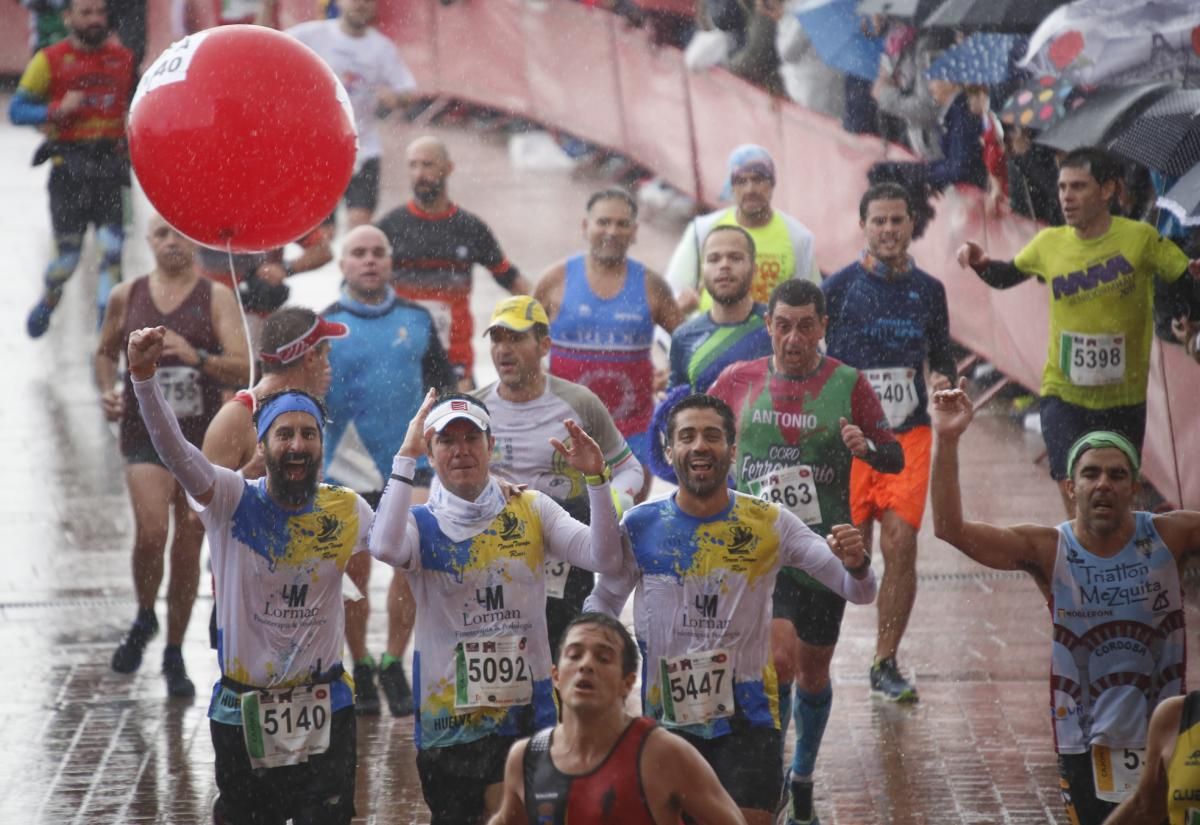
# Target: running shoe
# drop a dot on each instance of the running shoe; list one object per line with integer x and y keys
{"x": 39, "y": 319}
{"x": 127, "y": 658}
{"x": 886, "y": 681}
{"x": 396, "y": 689}
{"x": 179, "y": 685}
{"x": 366, "y": 695}
{"x": 802, "y": 803}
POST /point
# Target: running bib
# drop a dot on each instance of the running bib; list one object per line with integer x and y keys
{"x": 171, "y": 66}
{"x": 696, "y": 687}
{"x": 792, "y": 487}
{"x": 897, "y": 391}
{"x": 181, "y": 387}
{"x": 1092, "y": 360}
{"x": 1116, "y": 771}
{"x": 556, "y": 578}
{"x": 492, "y": 673}
{"x": 287, "y": 725}
{"x": 443, "y": 320}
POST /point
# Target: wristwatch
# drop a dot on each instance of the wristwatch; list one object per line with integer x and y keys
{"x": 597, "y": 480}
{"x": 202, "y": 355}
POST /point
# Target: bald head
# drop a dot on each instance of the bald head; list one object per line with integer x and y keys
{"x": 173, "y": 253}
{"x": 367, "y": 264}
{"x": 428, "y": 167}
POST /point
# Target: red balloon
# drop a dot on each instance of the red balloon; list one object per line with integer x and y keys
{"x": 242, "y": 137}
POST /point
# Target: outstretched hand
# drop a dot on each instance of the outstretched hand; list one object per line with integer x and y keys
{"x": 414, "y": 438}
{"x": 951, "y": 411}
{"x": 972, "y": 255}
{"x": 144, "y": 350}
{"x": 583, "y": 453}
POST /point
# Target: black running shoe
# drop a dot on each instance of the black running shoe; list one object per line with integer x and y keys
{"x": 802, "y": 803}
{"x": 887, "y": 682}
{"x": 127, "y": 658}
{"x": 366, "y": 695}
{"x": 179, "y": 685}
{"x": 396, "y": 689}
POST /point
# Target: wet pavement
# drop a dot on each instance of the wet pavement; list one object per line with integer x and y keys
{"x": 82, "y": 744}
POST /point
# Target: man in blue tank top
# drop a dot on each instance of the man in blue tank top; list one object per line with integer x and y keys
{"x": 1111, "y": 580}
{"x": 382, "y": 370}
{"x": 603, "y": 307}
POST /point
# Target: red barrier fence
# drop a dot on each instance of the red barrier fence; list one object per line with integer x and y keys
{"x": 581, "y": 70}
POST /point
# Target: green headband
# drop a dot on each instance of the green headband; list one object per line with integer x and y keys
{"x": 1098, "y": 439}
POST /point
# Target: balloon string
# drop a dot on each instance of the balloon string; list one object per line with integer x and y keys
{"x": 237, "y": 292}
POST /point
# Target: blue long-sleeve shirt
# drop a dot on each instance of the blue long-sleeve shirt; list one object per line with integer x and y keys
{"x": 25, "y": 109}
{"x": 877, "y": 322}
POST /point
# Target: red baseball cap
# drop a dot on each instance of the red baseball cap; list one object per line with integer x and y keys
{"x": 317, "y": 333}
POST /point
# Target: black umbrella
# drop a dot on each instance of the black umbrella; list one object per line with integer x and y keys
{"x": 1183, "y": 199}
{"x": 914, "y": 10}
{"x": 1166, "y": 136}
{"x": 1005, "y": 15}
{"x": 1102, "y": 115}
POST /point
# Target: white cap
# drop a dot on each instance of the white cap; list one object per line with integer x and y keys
{"x": 454, "y": 408}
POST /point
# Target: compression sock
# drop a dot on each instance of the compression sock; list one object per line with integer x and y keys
{"x": 385, "y": 660}
{"x": 812, "y": 713}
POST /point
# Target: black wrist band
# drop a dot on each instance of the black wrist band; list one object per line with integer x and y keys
{"x": 853, "y": 571}
{"x": 407, "y": 481}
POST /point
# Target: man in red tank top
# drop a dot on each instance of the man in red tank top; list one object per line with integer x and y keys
{"x": 77, "y": 92}
{"x": 599, "y": 763}
{"x": 205, "y": 348}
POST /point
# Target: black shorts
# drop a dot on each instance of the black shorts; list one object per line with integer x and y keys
{"x": 363, "y": 190}
{"x": 813, "y": 609}
{"x": 1063, "y": 423}
{"x": 746, "y": 761}
{"x": 1079, "y": 790}
{"x": 319, "y": 790}
{"x": 78, "y": 200}
{"x": 453, "y": 780}
{"x": 560, "y": 612}
{"x": 143, "y": 454}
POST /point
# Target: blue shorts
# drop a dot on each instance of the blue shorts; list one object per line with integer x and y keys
{"x": 1063, "y": 423}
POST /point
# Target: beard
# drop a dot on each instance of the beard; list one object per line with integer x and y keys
{"x": 294, "y": 492}
{"x": 718, "y": 477}
{"x": 428, "y": 191}
{"x": 732, "y": 298}
{"x": 92, "y": 35}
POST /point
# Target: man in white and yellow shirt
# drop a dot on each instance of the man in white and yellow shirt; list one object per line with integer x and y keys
{"x": 783, "y": 246}
{"x": 475, "y": 557}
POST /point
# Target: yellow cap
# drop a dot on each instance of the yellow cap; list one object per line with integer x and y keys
{"x": 518, "y": 313}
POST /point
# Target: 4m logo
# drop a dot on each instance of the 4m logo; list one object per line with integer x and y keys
{"x": 490, "y": 598}
{"x": 706, "y": 605}
{"x": 295, "y": 595}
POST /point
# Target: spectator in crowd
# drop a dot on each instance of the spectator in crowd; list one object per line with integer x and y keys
{"x": 901, "y": 89}
{"x": 1032, "y": 177}
{"x": 807, "y": 79}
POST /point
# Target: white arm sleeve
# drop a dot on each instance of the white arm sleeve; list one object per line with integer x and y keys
{"x": 612, "y": 591}
{"x": 394, "y": 535}
{"x": 803, "y": 549}
{"x": 628, "y": 476}
{"x": 596, "y": 548}
{"x": 194, "y": 472}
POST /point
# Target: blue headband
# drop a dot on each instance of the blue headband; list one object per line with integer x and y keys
{"x": 285, "y": 403}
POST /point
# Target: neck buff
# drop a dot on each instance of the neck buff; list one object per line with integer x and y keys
{"x": 460, "y": 519}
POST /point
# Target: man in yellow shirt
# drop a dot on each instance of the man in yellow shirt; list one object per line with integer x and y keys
{"x": 783, "y": 245}
{"x": 1100, "y": 270}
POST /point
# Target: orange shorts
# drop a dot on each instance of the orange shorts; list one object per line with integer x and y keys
{"x": 872, "y": 492}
